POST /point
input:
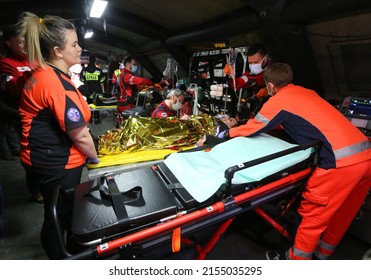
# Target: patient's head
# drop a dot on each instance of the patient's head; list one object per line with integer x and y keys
{"x": 229, "y": 122}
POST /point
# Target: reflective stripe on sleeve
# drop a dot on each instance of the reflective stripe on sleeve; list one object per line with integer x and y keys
{"x": 351, "y": 150}
{"x": 261, "y": 119}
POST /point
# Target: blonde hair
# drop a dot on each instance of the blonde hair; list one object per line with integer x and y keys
{"x": 42, "y": 35}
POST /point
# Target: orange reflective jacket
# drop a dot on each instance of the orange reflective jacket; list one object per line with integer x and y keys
{"x": 307, "y": 117}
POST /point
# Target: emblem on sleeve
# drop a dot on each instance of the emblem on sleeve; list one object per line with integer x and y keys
{"x": 73, "y": 114}
{"x": 163, "y": 114}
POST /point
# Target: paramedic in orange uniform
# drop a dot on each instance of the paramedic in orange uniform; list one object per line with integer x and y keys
{"x": 55, "y": 139}
{"x": 129, "y": 84}
{"x": 339, "y": 184}
{"x": 252, "y": 79}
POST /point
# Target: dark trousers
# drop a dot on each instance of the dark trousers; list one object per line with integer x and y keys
{"x": 48, "y": 181}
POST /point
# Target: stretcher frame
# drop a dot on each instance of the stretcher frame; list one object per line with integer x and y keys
{"x": 223, "y": 211}
{"x": 111, "y": 110}
{"x": 94, "y": 173}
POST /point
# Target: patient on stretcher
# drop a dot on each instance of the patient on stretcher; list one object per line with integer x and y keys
{"x": 139, "y": 133}
{"x": 223, "y": 123}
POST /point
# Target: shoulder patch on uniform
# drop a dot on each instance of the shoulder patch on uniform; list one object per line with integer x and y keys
{"x": 73, "y": 114}
{"x": 163, "y": 114}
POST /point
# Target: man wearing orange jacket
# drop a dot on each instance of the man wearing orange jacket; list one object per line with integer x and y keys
{"x": 339, "y": 184}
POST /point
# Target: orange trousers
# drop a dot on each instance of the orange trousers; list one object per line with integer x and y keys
{"x": 330, "y": 201}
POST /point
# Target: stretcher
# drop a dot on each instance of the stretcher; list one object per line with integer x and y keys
{"x": 123, "y": 215}
{"x": 110, "y": 109}
{"x": 129, "y": 160}
{"x": 94, "y": 173}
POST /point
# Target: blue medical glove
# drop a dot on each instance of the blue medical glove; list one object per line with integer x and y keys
{"x": 223, "y": 134}
{"x": 92, "y": 160}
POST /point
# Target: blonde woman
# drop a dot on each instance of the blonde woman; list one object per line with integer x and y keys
{"x": 55, "y": 139}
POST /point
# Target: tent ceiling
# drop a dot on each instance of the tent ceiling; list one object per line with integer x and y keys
{"x": 147, "y": 27}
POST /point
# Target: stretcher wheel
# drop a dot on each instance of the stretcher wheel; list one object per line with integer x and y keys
{"x": 282, "y": 205}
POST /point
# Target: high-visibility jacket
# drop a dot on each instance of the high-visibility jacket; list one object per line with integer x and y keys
{"x": 51, "y": 106}
{"x": 93, "y": 78}
{"x": 116, "y": 77}
{"x": 306, "y": 117}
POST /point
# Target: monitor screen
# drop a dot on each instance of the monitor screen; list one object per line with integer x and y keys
{"x": 359, "y": 107}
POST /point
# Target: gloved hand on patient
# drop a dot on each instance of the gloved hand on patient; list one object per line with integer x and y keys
{"x": 92, "y": 160}
{"x": 223, "y": 134}
{"x": 213, "y": 140}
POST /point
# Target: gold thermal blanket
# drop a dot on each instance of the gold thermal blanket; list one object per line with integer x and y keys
{"x": 144, "y": 139}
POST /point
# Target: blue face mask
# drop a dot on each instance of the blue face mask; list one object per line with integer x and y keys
{"x": 134, "y": 68}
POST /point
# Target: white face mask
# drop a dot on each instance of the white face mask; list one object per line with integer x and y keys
{"x": 134, "y": 68}
{"x": 255, "y": 68}
{"x": 176, "y": 106}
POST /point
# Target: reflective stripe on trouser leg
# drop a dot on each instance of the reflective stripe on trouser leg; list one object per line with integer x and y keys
{"x": 295, "y": 254}
{"x": 346, "y": 213}
{"x": 323, "y": 196}
{"x": 324, "y": 250}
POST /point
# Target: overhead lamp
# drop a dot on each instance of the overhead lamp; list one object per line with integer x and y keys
{"x": 98, "y": 8}
{"x": 88, "y": 34}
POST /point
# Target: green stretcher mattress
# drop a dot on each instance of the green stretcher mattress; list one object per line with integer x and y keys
{"x": 201, "y": 173}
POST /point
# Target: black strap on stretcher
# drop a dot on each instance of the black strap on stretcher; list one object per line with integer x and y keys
{"x": 118, "y": 198}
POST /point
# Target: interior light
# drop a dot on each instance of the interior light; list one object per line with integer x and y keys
{"x": 88, "y": 34}
{"x": 98, "y": 8}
